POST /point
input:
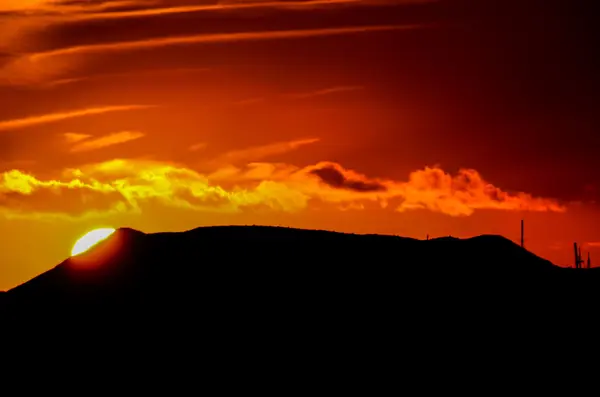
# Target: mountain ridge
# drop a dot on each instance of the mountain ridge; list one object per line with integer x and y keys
{"x": 279, "y": 267}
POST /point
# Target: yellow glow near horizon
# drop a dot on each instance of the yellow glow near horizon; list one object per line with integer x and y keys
{"x": 12, "y": 5}
{"x": 91, "y": 239}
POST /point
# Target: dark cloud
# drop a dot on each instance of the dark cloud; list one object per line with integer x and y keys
{"x": 335, "y": 178}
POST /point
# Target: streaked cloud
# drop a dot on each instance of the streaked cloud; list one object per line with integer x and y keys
{"x": 256, "y": 153}
{"x": 326, "y": 91}
{"x": 132, "y": 185}
{"x": 72, "y": 137}
{"x": 107, "y": 140}
{"x": 249, "y": 101}
{"x": 42, "y": 67}
{"x": 213, "y": 38}
{"x": 69, "y": 7}
{"x": 18, "y": 5}
{"x": 197, "y": 146}
{"x": 60, "y": 116}
{"x": 216, "y": 6}
{"x": 115, "y": 76}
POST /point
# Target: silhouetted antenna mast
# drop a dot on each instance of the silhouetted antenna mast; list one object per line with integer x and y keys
{"x": 578, "y": 260}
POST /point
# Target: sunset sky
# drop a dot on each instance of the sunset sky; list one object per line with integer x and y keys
{"x": 448, "y": 117}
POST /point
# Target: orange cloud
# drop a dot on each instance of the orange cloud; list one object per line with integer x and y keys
{"x": 136, "y": 73}
{"x": 71, "y": 137}
{"x": 17, "y": 5}
{"x": 595, "y": 244}
{"x": 43, "y": 66}
{"x": 220, "y": 6}
{"x": 259, "y": 152}
{"x": 107, "y": 140}
{"x": 212, "y": 38}
{"x": 57, "y": 7}
{"x": 60, "y": 116}
{"x": 435, "y": 190}
{"x": 431, "y": 188}
{"x": 131, "y": 185}
{"x": 197, "y": 146}
{"x": 326, "y": 91}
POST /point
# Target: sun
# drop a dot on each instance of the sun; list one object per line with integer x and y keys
{"x": 91, "y": 239}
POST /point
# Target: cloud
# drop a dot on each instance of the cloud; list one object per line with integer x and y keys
{"x": 18, "y": 5}
{"x": 130, "y": 185}
{"x": 595, "y": 244}
{"x": 71, "y": 137}
{"x": 260, "y": 152}
{"x": 114, "y": 76}
{"x": 216, "y": 6}
{"x": 24, "y": 196}
{"x": 336, "y": 177}
{"x": 49, "y": 65}
{"x": 249, "y": 101}
{"x": 120, "y": 186}
{"x": 197, "y": 146}
{"x": 69, "y": 7}
{"x": 60, "y": 116}
{"x": 107, "y": 140}
{"x": 326, "y": 91}
{"x": 428, "y": 189}
{"x": 211, "y": 38}
{"x": 462, "y": 194}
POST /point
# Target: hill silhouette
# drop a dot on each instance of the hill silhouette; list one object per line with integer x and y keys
{"x": 274, "y": 306}
{"x": 266, "y": 270}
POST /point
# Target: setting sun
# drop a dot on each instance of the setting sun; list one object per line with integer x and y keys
{"x": 91, "y": 239}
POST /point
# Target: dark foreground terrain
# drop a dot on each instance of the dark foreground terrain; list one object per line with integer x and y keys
{"x": 252, "y": 271}
{"x": 308, "y": 300}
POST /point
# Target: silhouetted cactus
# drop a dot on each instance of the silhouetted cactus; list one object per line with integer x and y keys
{"x": 589, "y": 261}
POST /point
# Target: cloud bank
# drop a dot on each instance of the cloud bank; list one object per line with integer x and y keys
{"x": 128, "y": 186}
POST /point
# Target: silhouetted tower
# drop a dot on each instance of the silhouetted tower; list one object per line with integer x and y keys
{"x": 578, "y": 261}
{"x": 522, "y": 233}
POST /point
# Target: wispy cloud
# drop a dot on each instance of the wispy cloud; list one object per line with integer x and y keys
{"x": 214, "y": 38}
{"x": 326, "y": 91}
{"x": 128, "y": 75}
{"x": 60, "y": 116}
{"x": 256, "y": 153}
{"x": 45, "y": 66}
{"x": 219, "y": 6}
{"x": 67, "y": 7}
{"x": 107, "y": 140}
{"x": 197, "y": 146}
{"x": 249, "y": 101}
{"x": 72, "y": 137}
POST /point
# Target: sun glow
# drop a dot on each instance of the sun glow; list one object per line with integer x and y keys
{"x": 90, "y": 240}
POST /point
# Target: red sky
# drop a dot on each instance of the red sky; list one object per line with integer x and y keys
{"x": 449, "y": 117}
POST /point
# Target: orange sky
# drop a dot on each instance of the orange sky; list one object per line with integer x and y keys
{"x": 446, "y": 117}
